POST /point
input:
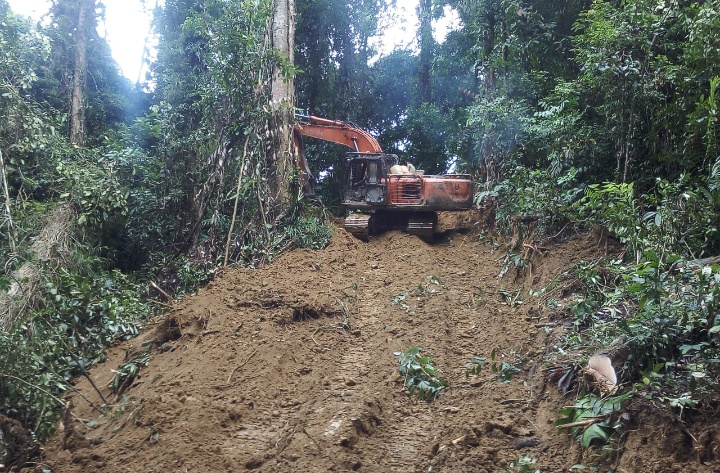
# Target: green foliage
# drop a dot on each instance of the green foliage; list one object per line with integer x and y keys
{"x": 613, "y": 207}
{"x": 93, "y": 185}
{"x": 419, "y": 374}
{"x": 504, "y": 370}
{"x": 79, "y": 307}
{"x": 125, "y": 375}
{"x": 309, "y": 232}
{"x": 108, "y": 304}
{"x": 597, "y": 114}
{"x": 22, "y": 49}
{"x": 680, "y": 217}
{"x": 517, "y": 57}
{"x": 665, "y": 313}
{"x": 147, "y": 219}
{"x": 213, "y": 131}
{"x": 499, "y": 127}
{"x": 474, "y": 366}
{"x": 625, "y": 85}
{"x": 428, "y": 133}
{"x": 27, "y": 130}
{"x": 332, "y": 44}
{"x": 598, "y": 419}
{"x": 676, "y": 323}
{"x": 182, "y": 275}
{"x": 705, "y": 117}
{"x": 524, "y": 464}
{"x": 624, "y": 97}
{"x": 527, "y": 192}
{"x": 560, "y": 128}
{"x": 42, "y": 354}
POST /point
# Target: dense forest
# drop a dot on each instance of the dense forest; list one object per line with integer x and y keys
{"x": 571, "y": 116}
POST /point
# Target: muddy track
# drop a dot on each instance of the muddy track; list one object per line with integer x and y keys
{"x": 290, "y": 368}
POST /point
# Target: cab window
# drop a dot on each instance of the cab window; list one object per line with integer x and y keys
{"x": 372, "y": 172}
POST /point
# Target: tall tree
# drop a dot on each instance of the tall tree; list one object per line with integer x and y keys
{"x": 427, "y": 46}
{"x": 282, "y": 100}
{"x": 81, "y": 77}
{"x": 333, "y": 50}
{"x": 86, "y": 19}
{"x": 224, "y": 110}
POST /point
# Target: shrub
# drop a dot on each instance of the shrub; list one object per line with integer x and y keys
{"x": 41, "y": 354}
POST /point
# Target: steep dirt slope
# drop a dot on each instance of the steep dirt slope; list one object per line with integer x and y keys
{"x": 290, "y": 368}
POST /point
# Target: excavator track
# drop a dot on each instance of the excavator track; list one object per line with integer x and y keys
{"x": 423, "y": 226}
{"x": 360, "y": 225}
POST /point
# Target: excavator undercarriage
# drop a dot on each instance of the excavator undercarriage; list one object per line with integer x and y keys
{"x": 365, "y": 225}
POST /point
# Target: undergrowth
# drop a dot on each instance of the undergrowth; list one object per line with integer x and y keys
{"x": 654, "y": 302}
{"x": 532, "y": 192}
{"x": 664, "y": 313}
{"x": 593, "y": 419}
{"x": 420, "y": 376}
{"x": 42, "y": 353}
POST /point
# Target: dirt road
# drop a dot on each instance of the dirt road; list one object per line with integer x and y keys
{"x": 290, "y": 368}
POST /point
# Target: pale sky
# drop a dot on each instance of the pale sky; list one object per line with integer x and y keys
{"x": 126, "y": 27}
{"x": 401, "y": 25}
{"x": 127, "y": 24}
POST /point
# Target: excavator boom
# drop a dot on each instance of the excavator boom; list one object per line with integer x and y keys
{"x": 337, "y": 132}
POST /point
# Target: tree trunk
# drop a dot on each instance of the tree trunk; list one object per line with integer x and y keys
{"x": 427, "y": 45}
{"x": 86, "y": 13}
{"x": 281, "y": 157}
{"x": 488, "y": 48}
{"x": 8, "y": 212}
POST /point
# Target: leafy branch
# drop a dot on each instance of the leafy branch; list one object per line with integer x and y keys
{"x": 503, "y": 369}
{"x": 593, "y": 419}
{"x": 126, "y": 374}
{"x": 420, "y": 376}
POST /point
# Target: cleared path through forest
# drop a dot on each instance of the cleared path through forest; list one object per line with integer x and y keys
{"x": 290, "y": 368}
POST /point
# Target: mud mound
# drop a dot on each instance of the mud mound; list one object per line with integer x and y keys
{"x": 290, "y": 368}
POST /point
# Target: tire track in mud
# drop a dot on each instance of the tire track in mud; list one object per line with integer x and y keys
{"x": 407, "y": 442}
{"x": 348, "y": 414}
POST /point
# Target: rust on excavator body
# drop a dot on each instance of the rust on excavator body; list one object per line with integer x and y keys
{"x": 436, "y": 193}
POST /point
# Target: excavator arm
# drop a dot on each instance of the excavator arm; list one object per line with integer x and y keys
{"x": 334, "y": 131}
{"x": 338, "y": 132}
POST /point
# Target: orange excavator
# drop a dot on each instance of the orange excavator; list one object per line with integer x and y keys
{"x": 383, "y": 193}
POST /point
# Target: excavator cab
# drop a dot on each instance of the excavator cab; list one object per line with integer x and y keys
{"x": 365, "y": 179}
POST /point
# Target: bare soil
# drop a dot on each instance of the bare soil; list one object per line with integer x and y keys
{"x": 290, "y": 368}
